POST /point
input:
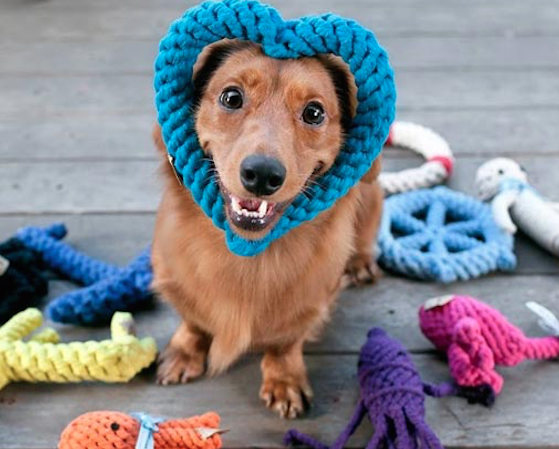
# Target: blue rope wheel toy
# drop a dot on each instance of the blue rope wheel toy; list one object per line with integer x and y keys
{"x": 304, "y": 37}
{"x": 442, "y": 235}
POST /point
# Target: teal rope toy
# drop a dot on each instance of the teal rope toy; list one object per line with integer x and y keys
{"x": 442, "y": 235}
{"x": 304, "y": 37}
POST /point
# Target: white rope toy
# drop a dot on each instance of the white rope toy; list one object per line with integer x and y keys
{"x": 425, "y": 142}
{"x": 516, "y": 203}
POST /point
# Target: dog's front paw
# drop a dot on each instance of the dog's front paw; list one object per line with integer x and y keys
{"x": 361, "y": 270}
{"x": 289, "y": 399}
{"x": 177, "y": 367}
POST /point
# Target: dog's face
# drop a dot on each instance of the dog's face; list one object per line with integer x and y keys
{"x": 270, "y": 126}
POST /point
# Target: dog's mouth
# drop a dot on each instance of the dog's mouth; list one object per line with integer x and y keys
{"x": 252, "y": 214}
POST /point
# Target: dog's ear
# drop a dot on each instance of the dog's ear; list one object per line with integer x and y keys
{"x": 344, "y": 83}
{"x": 158, "y": 139}
{"x": 372, "y": 175}
{"x": 209, "y": 60}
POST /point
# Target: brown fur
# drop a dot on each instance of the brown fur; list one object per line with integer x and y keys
{"x": 279, "y": 299}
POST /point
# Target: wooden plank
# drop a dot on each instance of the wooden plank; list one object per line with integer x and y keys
{"x": 489, "y": 133}
{"x": 483, "y": 133}
{"x": 43, "y": 187}
{"x": 28, "y": 23}
{"x": 113, "y": 238}
{"x": 423, "y": 53}
{"x": 117, "y": 95}
{"x": 45, "y": 410}
{"x": 79, "y": 138}
{"x": 133, "y": 186}
{"x": 73, "y": 96}
{"x": 392, "y": 304}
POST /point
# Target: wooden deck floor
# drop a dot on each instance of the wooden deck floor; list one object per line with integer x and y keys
{"x": 76, "y": 108}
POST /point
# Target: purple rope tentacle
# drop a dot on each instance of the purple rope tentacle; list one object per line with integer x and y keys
{"x": 427, "y": 438}
{"x": 381, "y": 428}
{"x": 440, "y": 391}
{"x": 293, "y": 437}
{"x": 482, "y": 394}
{"x": 393, "y": 395}
{"x": 358, "y": 415}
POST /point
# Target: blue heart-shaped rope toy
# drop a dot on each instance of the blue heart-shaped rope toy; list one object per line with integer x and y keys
{"x": 308, "y": 36}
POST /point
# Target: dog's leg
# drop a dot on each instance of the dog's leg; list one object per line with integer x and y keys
{"x": 362, "y": 267}
{"x": 285, "y": 387}
{"x": 184, "y": 358}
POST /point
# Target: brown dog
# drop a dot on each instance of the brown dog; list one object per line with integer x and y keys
{"x": 271, "y": 128}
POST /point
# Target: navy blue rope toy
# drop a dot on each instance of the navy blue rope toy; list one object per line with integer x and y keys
{"x": 304, "y": 37}
{"x": 23, "y": 279}
{"x": 442, "y": 235}
{"x": 108, "y": 288}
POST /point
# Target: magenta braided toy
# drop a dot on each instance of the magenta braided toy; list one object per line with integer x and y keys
{"x": 477, "y": 337}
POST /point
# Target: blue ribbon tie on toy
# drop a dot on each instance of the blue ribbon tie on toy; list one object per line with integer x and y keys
{"x": 148, "y": 425}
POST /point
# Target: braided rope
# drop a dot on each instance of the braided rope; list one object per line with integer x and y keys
{"x": 63, "y": 258}
{"x": 108, "y": 288}
{"x": 442, "y": 235}
{"x": 392, "y": 394}
{"x": 477, "y": 337}
{"x": 427, "y": 143}
{"x": 43, "y": 359}
{"x": 23, "y": 282}
{"x": 516, "y": 202}
{"x": 109, "y": 430}
{"x": 307, "y": 36}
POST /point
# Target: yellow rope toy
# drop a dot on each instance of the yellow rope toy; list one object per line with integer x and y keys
{"x": 43, "y": 359}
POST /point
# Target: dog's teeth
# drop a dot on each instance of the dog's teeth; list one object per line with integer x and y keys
{"x": 262, "y": 209}
{"x": 235, "y": 204}
{"x": 244, "y": 212}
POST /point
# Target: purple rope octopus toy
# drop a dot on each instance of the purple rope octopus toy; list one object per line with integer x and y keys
{"x": 393, "y": 395}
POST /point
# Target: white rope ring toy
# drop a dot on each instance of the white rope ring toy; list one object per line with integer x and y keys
{"x": 425, "y": 142}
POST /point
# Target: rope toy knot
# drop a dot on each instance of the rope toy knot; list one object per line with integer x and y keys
{"x": 109, "y": 430}
{"x": 106, "y": 288}
{"x": 477, "y": 338}
{"x": 42, "y": 358}
{"x": 307, "y": 36}
{"x": 442, "y": 235}
{"x": 148, "y": 425}
{"x": 392, "y": 394}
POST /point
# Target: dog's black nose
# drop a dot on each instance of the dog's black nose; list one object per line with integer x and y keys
{"x": 262, "y": 175}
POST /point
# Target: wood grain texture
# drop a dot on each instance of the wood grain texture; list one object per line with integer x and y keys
{"x": 117, "y": 95}
{"x": 393, "y": 304}
{"x": 76, "y": 110}
{"x": 128, "y": 137}
{"x": 409, "y": 18}
{"x": 31, "y": 410}
{"x": 118, "y": 238}
{"x": 49, "y": 58}
{"x": 134, "y": 186}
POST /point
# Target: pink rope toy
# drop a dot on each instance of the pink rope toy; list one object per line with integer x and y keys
{"x": 477, "y": 337}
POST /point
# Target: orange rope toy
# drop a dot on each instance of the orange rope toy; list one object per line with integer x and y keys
{"x": 115, "y": 430}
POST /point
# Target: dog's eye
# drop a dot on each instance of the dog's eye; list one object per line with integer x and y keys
{"x": 313, "y": 114}
{"x": 231, "y": 98}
